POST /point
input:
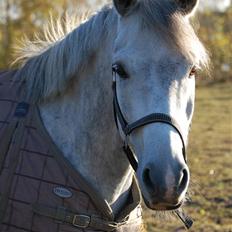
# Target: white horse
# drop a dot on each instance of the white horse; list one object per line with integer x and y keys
{"x": 154, "y": 54}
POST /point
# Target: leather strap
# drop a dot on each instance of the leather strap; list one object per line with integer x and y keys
{"x": 117, "y": 109}
{"x": 84, "y": 221}
{"x": 157, "y": 118}
{"x": 130, "y": 156}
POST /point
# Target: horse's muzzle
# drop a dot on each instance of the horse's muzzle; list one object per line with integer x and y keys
{"x": 164, "y": 189}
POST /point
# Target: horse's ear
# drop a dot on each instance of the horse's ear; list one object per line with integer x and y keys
{"x": 124, "y": 7}
{"x": 187, "y": 6}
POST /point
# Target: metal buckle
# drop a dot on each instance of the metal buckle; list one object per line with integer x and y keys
{"x": 81, "y": 221}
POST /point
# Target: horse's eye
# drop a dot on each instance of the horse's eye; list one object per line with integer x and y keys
{"x": 193, "y": 72}
{"x": 117, "y": 68}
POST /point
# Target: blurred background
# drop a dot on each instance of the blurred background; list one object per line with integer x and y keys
{"x": 210, "y": 145}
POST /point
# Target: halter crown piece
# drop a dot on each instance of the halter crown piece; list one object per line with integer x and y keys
{"x": 128, "y": 128}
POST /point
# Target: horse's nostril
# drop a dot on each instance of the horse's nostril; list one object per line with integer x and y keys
{"x": 160, "y": 183}
{"x": 146, "y": 178}
{"x": 184, "y": 180}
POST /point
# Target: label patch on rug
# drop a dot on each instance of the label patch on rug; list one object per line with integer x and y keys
{"x": 62, "y": 192}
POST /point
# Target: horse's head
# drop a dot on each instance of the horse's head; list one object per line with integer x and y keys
{"x": 156, "y": 54}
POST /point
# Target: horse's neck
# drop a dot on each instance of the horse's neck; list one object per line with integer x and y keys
{"x": 82, "y": 125}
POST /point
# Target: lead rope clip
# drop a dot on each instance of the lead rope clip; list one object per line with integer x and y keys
{"x": 188, "y": 222}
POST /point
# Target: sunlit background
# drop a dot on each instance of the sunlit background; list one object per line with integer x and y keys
{"x": 210, "y": 145}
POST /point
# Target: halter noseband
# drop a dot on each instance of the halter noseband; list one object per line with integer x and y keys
{"x": 149, "y": 119}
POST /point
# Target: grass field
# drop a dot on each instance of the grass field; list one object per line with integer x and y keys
{"x": 210, "y": 161}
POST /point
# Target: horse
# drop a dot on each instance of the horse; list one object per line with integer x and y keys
{"x": 116, "y": 97}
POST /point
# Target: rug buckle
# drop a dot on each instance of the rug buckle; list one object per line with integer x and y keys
{"x": 81, "y": 221}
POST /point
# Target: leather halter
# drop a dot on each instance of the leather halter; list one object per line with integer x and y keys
{"x": 149, "y": 119}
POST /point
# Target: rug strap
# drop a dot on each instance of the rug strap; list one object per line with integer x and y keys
{"x": 64, "y": 215}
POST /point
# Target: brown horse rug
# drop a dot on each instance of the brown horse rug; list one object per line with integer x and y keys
{"x": 39, "y": 189}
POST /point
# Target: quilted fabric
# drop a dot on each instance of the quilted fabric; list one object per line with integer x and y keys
{"x": 39, "y": 170}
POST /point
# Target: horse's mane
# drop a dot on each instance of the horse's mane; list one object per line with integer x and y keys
{"x": 53, "y": 32}
{"x": 63, "y": 53}
{"x": 48, "y": 64}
